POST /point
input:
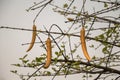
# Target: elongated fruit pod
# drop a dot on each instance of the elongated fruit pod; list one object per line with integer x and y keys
{"x": 49, "y": 53}
{"x": 33, "y": 38}
{"x": 83, "y": 44}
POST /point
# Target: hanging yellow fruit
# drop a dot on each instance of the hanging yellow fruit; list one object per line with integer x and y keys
{"x": 83, "y": 44}
{"x": 33, "y": 38}
{"x": 49, "y": 53}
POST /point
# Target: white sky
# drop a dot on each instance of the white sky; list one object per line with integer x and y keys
{"x": 12, "y": 13}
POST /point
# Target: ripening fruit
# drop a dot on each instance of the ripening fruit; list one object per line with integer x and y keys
{"x": 49, "y": 53}
{"x": 33, "y": 38}
{"x": 83, "y": 44}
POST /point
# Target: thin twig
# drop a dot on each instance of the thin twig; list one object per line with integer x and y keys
{"x": 42, "y": 42}
{"x": 93, "y": 16}
{"x": 36, "y": 5}
{"x": 90, "y": 27}
{"x": 34, "y": 73}
{"x": 69, "y": 40}
{"x": 69, "y": 7}
{"x": 41, "y": 11}
{"x": 55, "y": 26}
{"x": 106, "y": 10}
{"x": 55, "y": 43}
{"x": 91, "y": 38}
{"x": 99, "y": 75}
{"x": 57, "y": 72}
{"x": 69, "y": 66}
{"x": 116, "y": 3}
{"x": 117, "y": 78}
{"x": 111, "y": 70}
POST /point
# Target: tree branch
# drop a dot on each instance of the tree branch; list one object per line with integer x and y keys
{"x": 91, "y": 38}
{"x": 107, "y": 69}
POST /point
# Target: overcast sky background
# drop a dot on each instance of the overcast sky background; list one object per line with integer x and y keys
{"x": 13, "y": 14}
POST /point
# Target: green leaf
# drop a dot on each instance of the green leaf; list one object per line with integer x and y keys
{"x": 55, "y": 62}
{"x": 84, "y": 76}
{"x": 17, "y": 65}
{"x": 60, "y": 53}
{"x": 15, "y": 71}
{"x": 30, "y": 65}
{"x": 63, "y": 46}
{"x": 39, "y": 59}
{"x": 25, "y": 56}
{"x": 64, "y": 70}
{"x": 90, "y": 75}
{"x": 77, "y": 66}
{"x": 79, "y": 14}
{"x": 48, "y": 73}
{"x": 20, "y": 58}
{"x": 54, "y": 69}
{"x": 93, "y": 57}
{"x": 73, "y": 51}
{"x": 101, "y": 36}
{"x": 56, "y": 53}
{"x": 116, "y": 25}
{"x": 65, "y": 5}
{"x": 74, "y": 7}
{"x": 92, "y": 46}
{"x": 105, "y": 50}
{"x": 25, "y": 61}
{"x": 108, "y": 32}
{"x": 105, "y": 5}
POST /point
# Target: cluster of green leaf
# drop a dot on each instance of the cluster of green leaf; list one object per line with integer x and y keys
{"x": 27, "y": 63}
{"x": 58, "y": 67}
{"x": 110, "y": 35}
